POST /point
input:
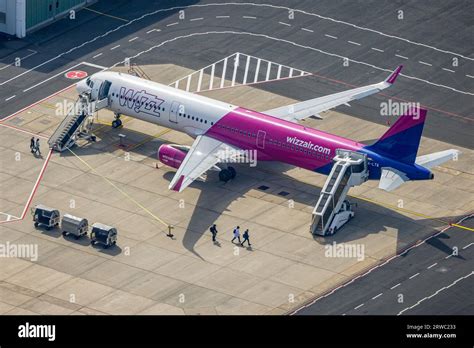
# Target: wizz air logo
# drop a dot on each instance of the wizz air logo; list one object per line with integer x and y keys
{"x": 140, "y": 101}
{"x": 308, "y": 145}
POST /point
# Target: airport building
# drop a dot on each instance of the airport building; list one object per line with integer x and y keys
{"x": 19, "y": 17}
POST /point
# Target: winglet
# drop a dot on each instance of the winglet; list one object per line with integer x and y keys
{"x": 393, "y": 76}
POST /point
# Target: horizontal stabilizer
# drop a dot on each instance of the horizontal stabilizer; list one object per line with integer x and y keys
{"x": 391, "y": 179}
{"x": 437, "y": 158}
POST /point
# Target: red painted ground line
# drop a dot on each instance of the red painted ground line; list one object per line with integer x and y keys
{"x": 38, "y": 180}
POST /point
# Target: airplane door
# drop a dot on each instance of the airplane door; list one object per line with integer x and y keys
{"x": 174, "y": 112}
{"x": 261, "y": 139}
{"x": 95, "y": 89}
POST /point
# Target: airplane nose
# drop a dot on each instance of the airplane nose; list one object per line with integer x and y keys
{"x": 81, "y": 86}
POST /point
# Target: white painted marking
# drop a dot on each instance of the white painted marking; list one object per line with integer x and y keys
{"x": 236, "y": 66}
{"x": 21, "y": 58}
{"x": 269, "y": 66}
{"x": 226, "y": 32}
{"x": 9, "y": 98}
{"x": 373, "y": 298}
{"x": 257, "y": 69}
{"x": 395, "y": 286}
{"x": 188, "y": 83}
{"x": 470, "y": 76}
{"x": 377, "y": 267}
{"x": 308, "y": 30}
{"x": 97, "y": 55}
{"x": 424, "y": 63}
{"x": 220, "y": 4}
{"x": 196, "y": 19}
{"x": 171, "y": 24}
{"x": 211, "y": 80}
{"x": 415, "y": 275}
{"x": 223, "y": 72}
{"x": 448, "y": 70}
{"x": 436, "y": 293}
{"x": 279, "y": 72}
{"x": 283, "y": 23}
{"x": 346, "y": 23}
{"x": 434, "y": 264}
{"x": 354, "y": 43}
{"x": 133, "y": 39}
{"x": 400, "y": 56}
{"x": 113, "y": 48}
{"x": 447, "y": 257}
{"x": 200, "y": 80}
{"x": 249, "y": 17}
{"x": 94, "y": 65}
{"x": 467, "y": 246}
{"x": 377, "y": 49}
{"x": 10, "y": 216}
{"x": 332, "y": 37}
{"x": 359, "y": 306}
{"x": 151, "y": 31}
{"x": 246, "y": 70}
{"x": 291, "y": 72}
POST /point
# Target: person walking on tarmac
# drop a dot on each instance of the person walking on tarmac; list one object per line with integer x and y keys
{"x": 236, "y": 234}
{"x": 32, "y": 145}
{"x": 37, "y": 147}
{"x": 213, "y": 230}
{"x": 246, "y": 238}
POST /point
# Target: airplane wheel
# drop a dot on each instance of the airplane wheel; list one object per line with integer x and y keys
{"x": 225, "y": 175}
{"x": 116, "y": 123}
{"x": 232, "y": 172}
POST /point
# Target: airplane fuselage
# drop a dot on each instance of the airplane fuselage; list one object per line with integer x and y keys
{"x": 272, "y": 138}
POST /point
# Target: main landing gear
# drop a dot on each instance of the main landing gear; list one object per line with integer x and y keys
{"x": 117, "y": 122}
{"x": 227, "y": 174}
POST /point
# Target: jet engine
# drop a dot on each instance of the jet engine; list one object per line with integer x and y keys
{"x": 172, "y": 155}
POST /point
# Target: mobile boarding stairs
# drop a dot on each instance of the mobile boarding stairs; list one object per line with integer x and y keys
{"x": 332, "y": 210}
{"x": 77, "y": 123}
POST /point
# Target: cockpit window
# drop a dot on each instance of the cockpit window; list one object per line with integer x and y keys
{"x": 89, "y": 82}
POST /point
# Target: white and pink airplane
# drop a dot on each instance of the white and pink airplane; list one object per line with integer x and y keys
{"x": 221, "y": 129}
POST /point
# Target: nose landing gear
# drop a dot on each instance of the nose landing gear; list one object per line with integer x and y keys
{"x": 117, "y": 122}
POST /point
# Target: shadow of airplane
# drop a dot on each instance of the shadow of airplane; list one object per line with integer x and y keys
{"x": 215, "y": 203}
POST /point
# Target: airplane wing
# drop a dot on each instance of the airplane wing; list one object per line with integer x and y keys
{"x": 313, "y": 107}
{"x": 204, "y": 154}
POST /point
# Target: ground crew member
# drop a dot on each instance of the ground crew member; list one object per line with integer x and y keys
{"x": 37, "y": 147}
